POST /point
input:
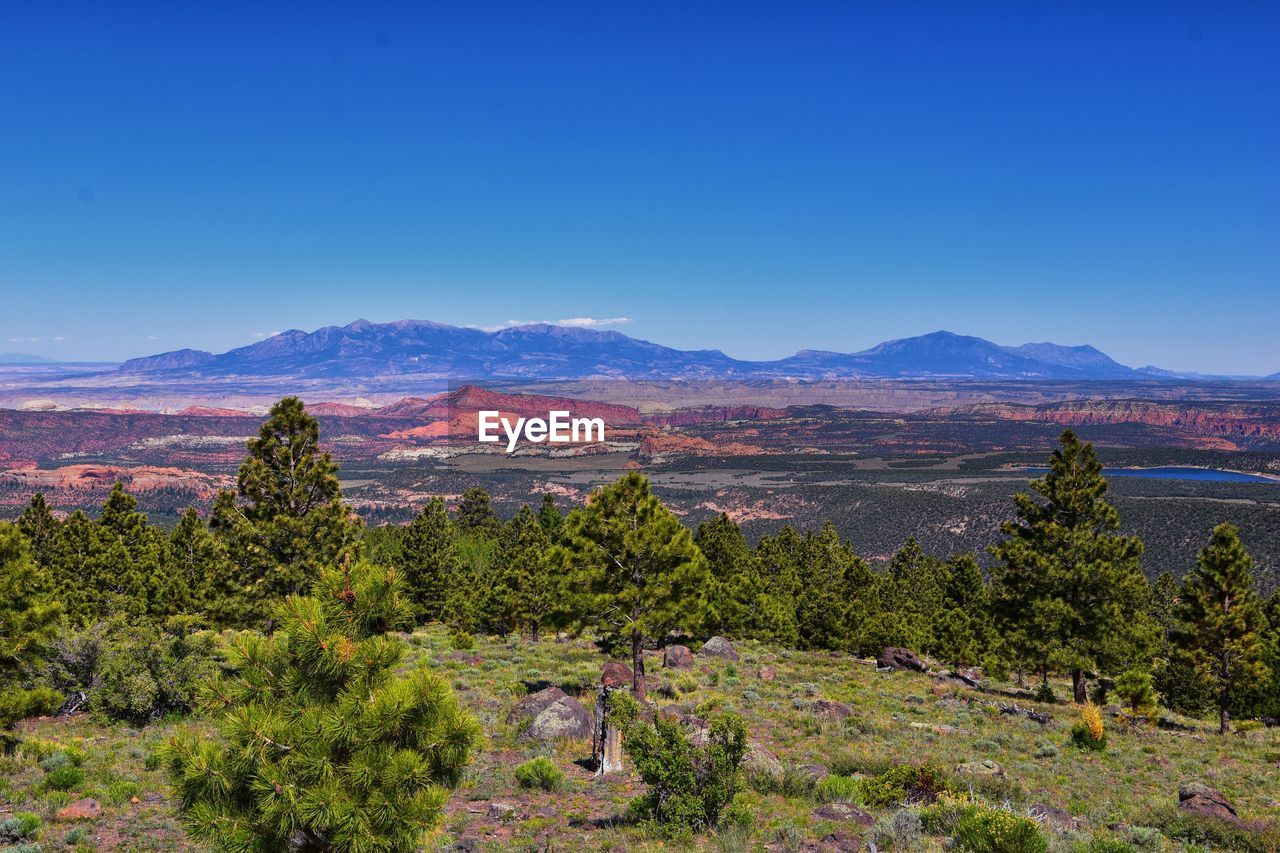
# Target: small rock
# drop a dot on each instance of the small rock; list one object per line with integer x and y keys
{"x": 1056, "y": 817}
{"x": 761, "y": 762}
{"x": 534, "y": 704}
{"x": 987, "y": 767}
{"x": 894, "y": 657}
{"x": 677, "y": 657}
{"x": 767, "y": 673}
{"x": 843, "y": 812}
{"x": 83, "y": 809}
{"x": 502, "y": 811}
{"x": 963, "y": 678}
{"x": 937, "y": 728}
{"x": 842, "y": 841}
{"x": 465, "y": 657}
{"x": 831, "y": 710}
{"x": 616, "y": 674}
{"x": 718, "y": 647}
{"x": 683, "y": 715}
{"x": 564, "y": 718}
{"x": 1200, "y": 799}
{"x": 815, "y": 773}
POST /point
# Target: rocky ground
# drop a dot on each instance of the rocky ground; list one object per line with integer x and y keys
{"x": 810, "y": 715}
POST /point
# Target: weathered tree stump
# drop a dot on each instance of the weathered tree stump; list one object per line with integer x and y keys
{"x": 606, "y": 739}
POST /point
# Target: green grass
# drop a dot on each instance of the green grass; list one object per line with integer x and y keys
{"x": 898, "y": 717}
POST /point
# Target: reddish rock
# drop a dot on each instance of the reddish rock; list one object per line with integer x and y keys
{"x": 84, "y": 809}
{"x": 616, "y": 674}
{"x": 832, "y": 710}
{"x": 1200, "y": 799}
{"x": 815, "y": 773}
{"x": 894, "y": 657}
{"x": 842, "y": 842}
{"x": 465, "y": 657}
{"x": 1056, "y": 817}
{"x": 677, "y": 657}
{"x": 1219, "y": 424}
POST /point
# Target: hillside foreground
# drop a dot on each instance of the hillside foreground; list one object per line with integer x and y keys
{"x": 809, "y": 714}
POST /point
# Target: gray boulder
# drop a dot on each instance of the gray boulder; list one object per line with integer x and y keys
{"x": 718, "y": 647}
{"x": 563, "y": 719}
{"x": 761, "y": 762}
{"x": 843, "y": 812}
{"x": 534, "y": 704}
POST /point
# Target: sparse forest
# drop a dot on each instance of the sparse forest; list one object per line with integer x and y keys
{"x": 278, "y": 642}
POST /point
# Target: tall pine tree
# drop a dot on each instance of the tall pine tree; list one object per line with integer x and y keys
{"x": 40, "y": 527}
{"x": 831, "y": 595}
{"x": 633, "y": 567}
{"x": 28, "y": 617}
{"x": 1220, "y": 620}
{"x": 429, "y": 561}
{"x": 476, "y": 515}
{"x": 1069, "y": 592}
{"x": 532, "y": 575}
{"x": 735, "y": 584}
{"x": 197, "y": 570}
{"x": 286, "y": 519}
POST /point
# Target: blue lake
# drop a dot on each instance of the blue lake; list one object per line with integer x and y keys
{"x": 1172, "y": 473}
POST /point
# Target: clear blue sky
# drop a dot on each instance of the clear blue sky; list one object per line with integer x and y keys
{"x": 755, "y": 178}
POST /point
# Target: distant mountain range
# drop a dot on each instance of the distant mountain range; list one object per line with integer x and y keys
{"x": 23, "y": 358}
{"x": 424, "y": 349}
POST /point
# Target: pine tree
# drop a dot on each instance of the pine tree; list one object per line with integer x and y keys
{"x": 28, "y": 617}
{"x": 549, "y": 515}
{"x": 532, "y": 576}
{"x": 286, "y": 519}
{"x": 830, "y": 600}
{"x": 735, "y": 583}
{"x": 197, "y": 570}
{"x": 966, "y": 593}
{"x": 429, "y": 561}
{"x": 777, "y": 562}
{"x": 40, "y": 527}
{"x": 476, "y": 515}
{"x": 965, "y": 587}
{"x": 112, "y": 566}
{"x": 74, "y": 555}
{"x": 916, "y": 590}
{"x": 634, "y": 568}
{"x": 133, "y": 558}
{"x": 1069, "y": 592}
{"x": 323, "y": 745}
{"x": 1220, "y": 619}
